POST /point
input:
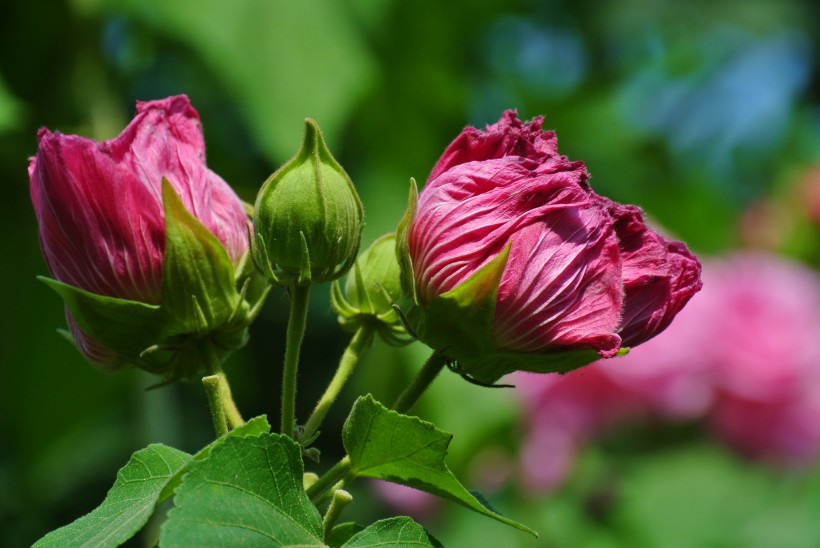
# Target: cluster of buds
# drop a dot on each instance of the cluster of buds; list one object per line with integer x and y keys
{"x": 506, "y": 261}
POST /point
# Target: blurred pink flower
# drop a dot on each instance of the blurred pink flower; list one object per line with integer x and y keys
{"x": 765, "y": 340}
{"x": 767, "y": 362}
{"x": 561, "y": 413}
{"x": 409, "y": 501}
{"x": 745, "y": 353}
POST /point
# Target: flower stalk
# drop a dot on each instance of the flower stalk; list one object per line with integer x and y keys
{"x": 296, "y": 332}
{"x": 213, "y": 389}
{"x": 347, "y": 364}
{"x": 229, "y": 408}
{"x": 425, "y": 377}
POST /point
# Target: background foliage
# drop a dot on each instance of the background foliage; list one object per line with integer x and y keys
{"x": 696, "y": 110}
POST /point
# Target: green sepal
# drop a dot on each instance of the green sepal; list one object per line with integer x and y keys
{"x": 342, "y": 307}
{"x": 259, "y": 254}
{"x": 254, "y": 288}
{"x": 124, "y": 327}
{"x": 408, "y": 284}
{"x": 370, "y": 291}
{"x": 460, "y": 321}
{"x": 494, "y": 365}
{"x": 198, "y": 286}
{"x": 304, "y": 262}
{"x": 200, "y": 302}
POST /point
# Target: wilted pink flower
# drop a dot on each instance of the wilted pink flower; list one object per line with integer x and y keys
{"x": 99, "y": 204}
{"x": 583, "y": 272}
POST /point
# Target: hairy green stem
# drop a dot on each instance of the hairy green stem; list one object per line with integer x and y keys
{"x": 295, "y": 334}
{"x": 214, "y": 391}
{"x": 347, "y": 364}
{"x": 428, "y": 373}
{"x": 329, "y": 479}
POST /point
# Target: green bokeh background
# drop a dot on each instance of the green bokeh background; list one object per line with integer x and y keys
{"x": 693, "y": 109}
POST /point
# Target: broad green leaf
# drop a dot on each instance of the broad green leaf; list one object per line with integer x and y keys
{"x": 150, "y": 477}
{"x": 247, "y": 492}
{"x": 128, "y": 505}
{"x": 255, "y": 426}
{"x": 384, "y": 444}
{"x": 398, "y": 532}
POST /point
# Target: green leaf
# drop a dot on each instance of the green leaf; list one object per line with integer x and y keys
{"x": 253, "y": 427}
{"x": 198, "y": 285}
{"x": 129, "y": 503}
{"x": 384, "y": 444}
{"x": 122, "y": 326}
{"x": 151, "y": 476}
{"x": 398, "y": 532}
{"x": 247, "y": 492}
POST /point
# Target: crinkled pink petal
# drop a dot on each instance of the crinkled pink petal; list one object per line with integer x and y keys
{"x": 509, "y": 137}
{"x": 659, "y": 276}
{"x": 467, "y": 216}
{"x": 561, "y": 287}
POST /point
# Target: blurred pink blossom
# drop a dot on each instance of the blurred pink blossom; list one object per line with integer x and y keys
{"x": 745, "y": 354}
{"x": 412, "y": 502}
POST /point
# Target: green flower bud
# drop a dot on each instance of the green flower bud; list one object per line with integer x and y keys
{"x": 307, "y": 218}
{"x": 372, "y": 287}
